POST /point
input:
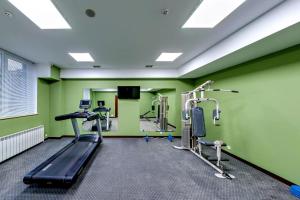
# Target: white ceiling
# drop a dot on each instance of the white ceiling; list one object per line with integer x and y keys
{"x": 125, "y": 34}
{"x": 276, "y": 42}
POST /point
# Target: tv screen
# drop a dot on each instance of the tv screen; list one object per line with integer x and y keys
{"x": 85, "y": 104}
{"x": 129, "y": 92}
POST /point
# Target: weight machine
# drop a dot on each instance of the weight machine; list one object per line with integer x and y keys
{"x": 162, "y": 115}
{"x": 193, "y": 126}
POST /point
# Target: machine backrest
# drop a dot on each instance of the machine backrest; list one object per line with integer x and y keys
{"x": 198, "y": 123}
{"x": 101, "y": 103}
{"x": 101, "y": 109}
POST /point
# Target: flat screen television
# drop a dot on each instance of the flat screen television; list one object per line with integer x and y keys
{"x": 85, "y": 104}
{"x": 129, "y": 92}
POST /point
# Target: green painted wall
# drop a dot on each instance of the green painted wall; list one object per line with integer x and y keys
{"x": 55, "y": 72}
{"x": 261, "y": 123}
{"x": 58, "y": 107}
{"x": 146, "y": 99}
{"x": 129, "y": 116}
{"x": 9, "y": 126}
{"x": 65, "y": 96}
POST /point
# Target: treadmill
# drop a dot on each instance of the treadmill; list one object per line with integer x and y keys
{"x": 64, "y": 167}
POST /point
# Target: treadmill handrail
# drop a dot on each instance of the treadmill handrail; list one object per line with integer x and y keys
{"x": 89, "y": 116}
{"x": 101, "y": 109}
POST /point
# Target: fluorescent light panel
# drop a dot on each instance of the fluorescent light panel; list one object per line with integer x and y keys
{"x": 82, "y": 57}
{"x": 146, "y": 89}
{"x": 211, "y": 12}
{"x": 168, "y": 57}
{"x": 104, "y": 90}
{"x": 42, "y": 12}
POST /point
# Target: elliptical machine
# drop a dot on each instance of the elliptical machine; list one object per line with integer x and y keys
{"x": 104, "y": 116}
{"x": 193, "y": 127}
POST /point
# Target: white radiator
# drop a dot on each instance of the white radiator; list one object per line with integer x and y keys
{"x": 14, "y": 144}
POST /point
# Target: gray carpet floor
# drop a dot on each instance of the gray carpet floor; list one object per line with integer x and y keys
{"x": 146, "y": 125}
{"x": 133, "y": 169}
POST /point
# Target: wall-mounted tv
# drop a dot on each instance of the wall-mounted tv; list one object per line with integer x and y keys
{"x": 129, "y": 92}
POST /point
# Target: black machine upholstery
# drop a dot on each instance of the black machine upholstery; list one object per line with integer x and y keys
{"x": 198, "y": 123}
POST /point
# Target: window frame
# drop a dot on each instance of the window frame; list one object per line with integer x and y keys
{"x": 4, "y": 56}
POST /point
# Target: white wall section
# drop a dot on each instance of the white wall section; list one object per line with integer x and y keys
{"x": 279, "y": 18}
{"x": 121, "y": 73}
{"x": 272, "y": 23}
{"x": 43, "y": 71}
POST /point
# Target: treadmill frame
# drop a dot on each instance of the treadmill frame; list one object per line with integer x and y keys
{"x": 75, "y": 170}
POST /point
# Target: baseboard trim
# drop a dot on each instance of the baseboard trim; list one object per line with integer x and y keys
{"x": 289, "y": 183}
{"x": 60, "y": 137}
{"x": 118, "y": 136}
{"x": 110, "y": 136}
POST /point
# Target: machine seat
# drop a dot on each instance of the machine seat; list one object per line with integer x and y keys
{"x": 209, "y": 143}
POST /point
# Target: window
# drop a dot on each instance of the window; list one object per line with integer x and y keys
{"x": 18, "y": 87}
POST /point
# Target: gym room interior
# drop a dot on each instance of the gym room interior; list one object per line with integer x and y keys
{"x": 149, "y": 99}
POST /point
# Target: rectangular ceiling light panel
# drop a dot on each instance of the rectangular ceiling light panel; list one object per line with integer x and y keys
{"x": 211, "y": 12}
{"x": 42, "y": 12}
{"x": 168, "y": 57}
{"x": 82, "y": 57}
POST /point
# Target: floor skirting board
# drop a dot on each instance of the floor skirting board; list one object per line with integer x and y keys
{"x": 260, "y": 169}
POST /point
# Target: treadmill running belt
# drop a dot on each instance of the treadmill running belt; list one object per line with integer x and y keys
{"x": 63, "y": 163}
{"x": 64, "y": 168}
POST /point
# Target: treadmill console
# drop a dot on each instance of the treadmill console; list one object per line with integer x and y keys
{"x": 85, "y": 104}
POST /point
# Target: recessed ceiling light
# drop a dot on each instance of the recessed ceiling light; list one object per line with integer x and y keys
{"x": 8, "y": 14}
{"x": 146, "y": 89}
{"x": 82, "y": 57}
{"x": 164, "y": 11}
{"x": 168, "y": 57}
{"x": 211, "y": 12}
{"x": 90, "y": 13}
{"x": 42, "y": 12}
